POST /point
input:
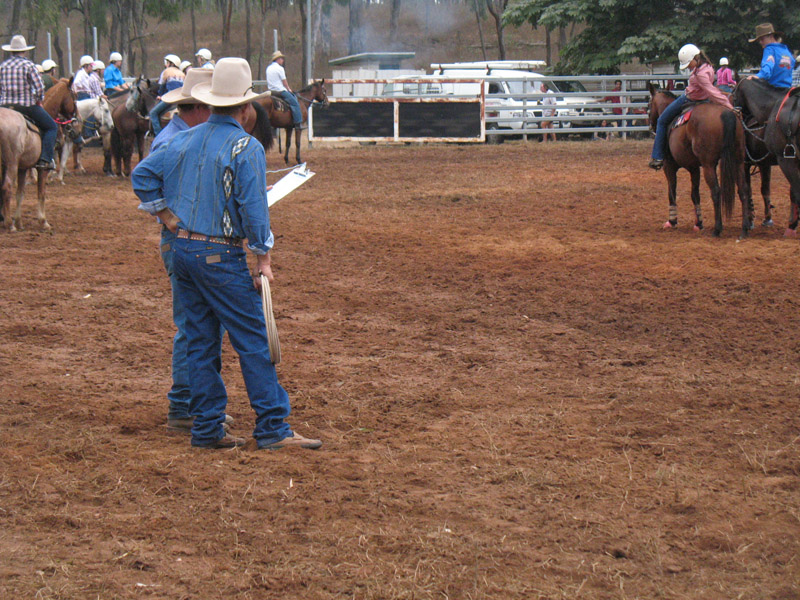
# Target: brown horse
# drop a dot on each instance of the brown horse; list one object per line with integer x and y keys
{"x": 713, "y": 135}
{"x": 20, "y": 147}
{"x": 60, "y": 103}
{"x": 131, "y": 123}
{"x": 281, "y": 118}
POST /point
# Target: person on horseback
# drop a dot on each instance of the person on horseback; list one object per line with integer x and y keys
{"x": 49, "y": 73}
{"x": 725, "y": 80}
{"x": 114, "y": 82}
{"x": 777, "y": 61}
{"x": 796, "y": 72}
{"x": 203, "y": 58}
{"x": 185, "y": 66}
{"x": 171, "y": 79}
{"x": 700, "y": 87}
{"x": 277, "y": 84}
{"x": 22, "y": 89}
{"x": 87, "y": 85}
{"x": 98, "y": 67}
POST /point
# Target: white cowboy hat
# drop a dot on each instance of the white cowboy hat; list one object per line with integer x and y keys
{"x": 18, "y": 44}
{"x": 114, "y": 57}
{"x": 48, "y": 64}
{"x": 173, "y": 58}
{"x": 276, "y": 55}
{"x": 231, "y": 84}
{"x": 86, "y": 60}
{"x": 183, "y": 95}
{"x": 204, "y": 53}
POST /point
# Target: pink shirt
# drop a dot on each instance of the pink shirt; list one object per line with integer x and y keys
{"x": 701, "y": 87}
{"x": 725, "y": 77}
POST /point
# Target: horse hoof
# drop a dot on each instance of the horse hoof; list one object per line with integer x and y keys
{"x": 767, "y": 223}
{"x": 790, "y": 233}
{"x": 669, "y": 225}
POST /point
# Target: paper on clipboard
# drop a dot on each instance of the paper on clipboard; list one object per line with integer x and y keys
{"x": 297, "y": 177}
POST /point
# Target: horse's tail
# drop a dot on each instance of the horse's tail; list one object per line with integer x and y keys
{"x": 262, "y": 130}
{"x": 728, "y": 162}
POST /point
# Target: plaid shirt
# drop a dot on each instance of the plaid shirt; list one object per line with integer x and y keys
{"x": 87, "y": 82}
{"x": 796, "y": 76}
{"x": 20, "y": 82}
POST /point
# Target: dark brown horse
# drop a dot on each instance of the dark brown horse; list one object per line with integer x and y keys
{"x": 131, "y": 123}
{"x": 60, "y": 103}
{"x": 774, "y": 132}
{"x": 713, "y": 135}
{"x": 281, "y": 118}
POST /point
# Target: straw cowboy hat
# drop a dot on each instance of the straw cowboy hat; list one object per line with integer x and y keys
{"x": 765, "y": 29}
{"x": 276, "y": 55}
{"x": 18, "y": 44}
{"x": 183, "y": 95}
{"x": 231, "y": 84}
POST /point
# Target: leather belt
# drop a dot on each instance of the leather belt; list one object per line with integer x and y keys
{"x": 201, "y": 237}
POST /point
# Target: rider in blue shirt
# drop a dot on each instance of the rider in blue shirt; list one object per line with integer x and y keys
{"x": 777, "y": 61}
{"x": 112, "y": 76}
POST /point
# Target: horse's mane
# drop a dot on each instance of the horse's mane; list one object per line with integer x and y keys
{"x": 669, "y": 93}
{"x": 308, "y": 87}
{"x": 262, "y": 130}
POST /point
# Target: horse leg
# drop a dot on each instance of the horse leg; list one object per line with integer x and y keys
{"x": 5, "y": 195}
{"x": 671, "y": 173}
{"x": 62, "y": 160}
{"x": 698, "y": 210}
{"x": 710, "y": 175}
{"x": 41, "y": 189}
{"x": 791, "y": 169}
{"x": 766, "y": 177}
{"x": 288, "y": 144}
{"x": 22, "y": 175}
{"x": 746, "y": 198}
{"x": 297, "y": 137}
{"x": 77, "y": 165}
{"x": 107, "y": 155}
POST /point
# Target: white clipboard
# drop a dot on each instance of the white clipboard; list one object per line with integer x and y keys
{"x": 289, "y": 183}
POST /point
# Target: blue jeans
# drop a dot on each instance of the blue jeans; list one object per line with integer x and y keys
{"x": 215, "y": 287}
{"x": 45, "y": 123}
{"x": 294, "y": 106}
{"x": 155, "y": 116}
{"x": 180, "y": 393}
{"x": 725, "y": 88}
{"x": 672, "y": 111}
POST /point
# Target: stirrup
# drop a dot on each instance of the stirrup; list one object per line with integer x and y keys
{"x": 790, "y": 151}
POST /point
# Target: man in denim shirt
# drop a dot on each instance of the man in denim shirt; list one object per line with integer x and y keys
{"x": 208, "y": 184}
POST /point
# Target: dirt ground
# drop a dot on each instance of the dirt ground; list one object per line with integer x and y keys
{"x": 526, "y": 389}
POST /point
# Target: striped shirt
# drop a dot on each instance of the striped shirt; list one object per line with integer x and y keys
{"x": 796, "y": 76}
{"x": 86, "y": 82}
{"x": 20, "y": 82}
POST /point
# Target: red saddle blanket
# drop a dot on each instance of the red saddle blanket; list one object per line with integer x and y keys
{"x": 682, "y": 119}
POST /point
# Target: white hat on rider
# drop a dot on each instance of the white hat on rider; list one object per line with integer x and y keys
{"x": 687, "y": 54}
{"x": 97, "y": 65}
{"x": 86, "y": 60}
{"x": 723, "y": 62}
{"x": 185, "y": 64}
{"x": 183, "y": 94}
{"x": 204, "y": 53}
{"x": 18, "y": 44}
{"x": 172, "y": 58}
{"x": 114, "y": 57}
{"x": 231, "y": 84}
{"x": 48, "y": 64}
{"x": 40, "y": 68}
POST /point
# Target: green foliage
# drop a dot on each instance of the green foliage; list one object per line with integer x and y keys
{"x": 617, "y": 31}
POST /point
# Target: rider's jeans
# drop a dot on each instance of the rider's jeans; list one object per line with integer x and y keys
{"x": 46, "y": 124}
{"x": 672, "y": 111}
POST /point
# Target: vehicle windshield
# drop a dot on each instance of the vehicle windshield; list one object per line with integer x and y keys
{"x": 571, "y": 86}
{"x": 519, "y": 88}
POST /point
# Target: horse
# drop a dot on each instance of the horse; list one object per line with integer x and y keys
{"x": 61, "y": 104}
{"x": 20, "y": 147}
{"x": 281, "y": 118}
{"x": 131, "y": 123}
{"x": 100, "y": 109}
{"x": 713, "y": 135}
{"x": 775, "y": 110}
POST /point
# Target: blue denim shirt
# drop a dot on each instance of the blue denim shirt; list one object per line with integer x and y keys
{"x": 175, "y": 125}
{"x": 213, "y": 177}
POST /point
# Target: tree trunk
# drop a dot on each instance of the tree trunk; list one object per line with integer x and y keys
{"x": 549, "y": 47}
{"x": 480, "y": 28}
{"x": 86, "y": 9}
{"x": 393, "y": 20}
{"x": 13, "y": 22}
{"x": 62, "y": 66}
{"x": 562, "y": 40}
{"x": 227, "y": 14}
{"x": 325, "y": 28}
{"x": 304, "y": 33}
{"x": 248, "y": 49}
{"x": 262, "y": 50}
{"x": 355, "y": 43}
{"x": 194, "y": 27}
{"x": 496, "y": 8}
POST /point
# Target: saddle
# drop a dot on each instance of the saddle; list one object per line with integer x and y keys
{"x": 685, "y": 114}
{"x": 28, "y": 121}
{"x": 280, "y": 104}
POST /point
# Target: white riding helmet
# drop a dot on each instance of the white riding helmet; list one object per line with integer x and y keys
{"x": 185, "y": 64}
{"x": 686, "y": 54}
{"x": 172, "y": 58}
{"x": 204, "y": 53}
{"x": 114, "y": 57}
{"x": 723, "y": 62}
{"x": 97, "y": 65}
{"x": 48, "y": 64}
{"x": 86, "y": 60}
{"x": 40, "y": 68}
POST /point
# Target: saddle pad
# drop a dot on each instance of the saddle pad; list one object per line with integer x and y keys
{"x": 682, "y": 119}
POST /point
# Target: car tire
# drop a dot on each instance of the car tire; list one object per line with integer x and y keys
{"x": 493, "y": 138}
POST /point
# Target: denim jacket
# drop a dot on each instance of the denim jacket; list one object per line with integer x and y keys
{"x": 213, "y": 177}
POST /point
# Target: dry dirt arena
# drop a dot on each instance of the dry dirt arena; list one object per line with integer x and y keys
{"x": 525, "y": 387}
